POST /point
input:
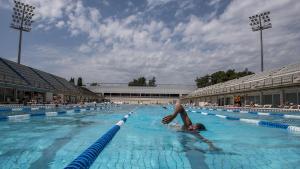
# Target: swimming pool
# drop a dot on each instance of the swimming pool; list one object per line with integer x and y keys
{"x": 143, "y": 142}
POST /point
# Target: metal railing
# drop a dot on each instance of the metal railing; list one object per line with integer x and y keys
{"x": 276, "y": 81}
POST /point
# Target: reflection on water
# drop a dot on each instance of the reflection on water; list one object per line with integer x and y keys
{"x": 194, "y": 154}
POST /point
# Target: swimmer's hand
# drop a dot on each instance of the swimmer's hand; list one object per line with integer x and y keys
{"x": 214, "y": 149}
{"x": 168, "y": 119}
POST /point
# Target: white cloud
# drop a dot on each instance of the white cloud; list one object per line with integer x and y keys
{"x": 119, "y": 49}
{"x": 153, "y": 3}
{"x": 60, "y": 24}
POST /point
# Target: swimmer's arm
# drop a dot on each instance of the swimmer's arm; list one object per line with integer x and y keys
{"x": 205, "y": 140}
{"x": 171, "y": 117}
{"x": 178, "y": 110}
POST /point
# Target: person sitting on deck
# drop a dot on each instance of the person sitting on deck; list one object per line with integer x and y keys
{"x": 188, "y": 126}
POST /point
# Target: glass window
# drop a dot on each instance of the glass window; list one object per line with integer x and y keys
{"x": 267, "y": 99}
{"x": 276, "y": 100}
{"x": 228, "y": 101}
{"x": 134, "y": 94}
{"x": 291, "y": 98}
{"x": 257, "y": 99}
{"x": 1, "y": 95}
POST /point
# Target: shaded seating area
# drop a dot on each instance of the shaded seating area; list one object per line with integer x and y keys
{"x": 21, "y": 84}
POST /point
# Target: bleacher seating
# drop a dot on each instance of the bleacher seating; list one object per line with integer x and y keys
{"x": 9, "y": 76}
{"x": 26, "y": 78}
{"x": 31, "y": 77}
{"x": 54, "y": 82}
{"x": 287, "y": 75}
{"x": 67, "y": 84}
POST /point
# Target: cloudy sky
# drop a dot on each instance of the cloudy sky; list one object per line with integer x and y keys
{"x": 174, "y": 40}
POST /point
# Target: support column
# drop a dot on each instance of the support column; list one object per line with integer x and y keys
{"x": 4, "y": 95}
{"x": 282, "y": 97}
{"x": 16, "y": 96}
{"x": 261, "y": 97}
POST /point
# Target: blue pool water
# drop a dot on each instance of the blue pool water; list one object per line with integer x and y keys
{"x": 143, "y": 142}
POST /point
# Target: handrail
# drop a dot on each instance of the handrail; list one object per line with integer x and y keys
{"x": 252, "y": 85}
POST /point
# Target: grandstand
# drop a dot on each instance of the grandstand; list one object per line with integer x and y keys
{"x": 161, "y": 93}
{"x": 276, "y": 88}
{"x": 23, "y": 84}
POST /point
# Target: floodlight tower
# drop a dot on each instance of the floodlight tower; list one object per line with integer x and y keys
{"x": 22, "y": 20}
{"x": 259, "y": 22}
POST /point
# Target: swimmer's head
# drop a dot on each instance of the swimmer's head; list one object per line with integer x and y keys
{"x": 197, "y": 127}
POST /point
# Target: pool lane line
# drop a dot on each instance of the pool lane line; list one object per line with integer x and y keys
{"x": 281, "y": 115}
{"x": 30, "y": 114}
{"x": 87, "y": 158}
{"x": 253, "y": 121}
{"x": 31, "y": 109}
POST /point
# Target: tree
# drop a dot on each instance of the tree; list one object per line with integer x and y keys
{"x": 79, "y": 81}
{"x": 220, "y": 76}
{"x": 202, "y": 81}
{"x": 94, "y": 84}
{"x": 230, "y": 74}
{"x": 72, "y": 80}
{"x": 152, "y": 82}
{"x": 141, "y": 81}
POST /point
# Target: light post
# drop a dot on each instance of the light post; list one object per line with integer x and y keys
{"x": 259, "y": 22}
{"x": 22, "y": 20}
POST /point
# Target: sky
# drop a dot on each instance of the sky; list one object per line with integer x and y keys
{"x": 114, "y": 41}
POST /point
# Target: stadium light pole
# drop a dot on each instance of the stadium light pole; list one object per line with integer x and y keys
{"x": 22, "y": 20}
{"x": 259, "y": 22}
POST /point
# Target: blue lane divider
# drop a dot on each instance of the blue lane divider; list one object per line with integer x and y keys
{"x": 3, "y": 118}
{"x": 5, "y": 110}
{"x": 252, "y": 112}
{"x": 33, "y": 112}
{"x": 38, "y": 114}
{"x": 28, "y": 109}
{"x": 271, "y": 124}
{"x": 86, "y": 159}
{"x": 61, "y": 112}
{"x": 281, "y": 115}
{"x": 232, "y": 118}
{"x": 254, "y": 121}
{"x": 277, "y": 114}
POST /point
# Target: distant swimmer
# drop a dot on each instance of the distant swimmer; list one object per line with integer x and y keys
{"x": 188, "y": 127}
{"x": 164, "y": 107}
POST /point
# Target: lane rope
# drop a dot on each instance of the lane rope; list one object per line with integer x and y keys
{"x": 86, "y": 159}
{"x": 253, "y": 121}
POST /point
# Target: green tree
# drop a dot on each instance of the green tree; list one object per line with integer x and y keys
{"x": 79, "y": 81}
{"x": 141, "y": 81}
{"x": 72, "y": 80}
{"x": 220, "y": 76}
{"x": 94, "y": 84}
{"x": 202, "y": 81}
{"x": 152, "y": 82}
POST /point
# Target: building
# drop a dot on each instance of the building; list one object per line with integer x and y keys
{"x": 23, "y": 84}
{"x": 275, "y": 87}
{"x": 160, "y": 94}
